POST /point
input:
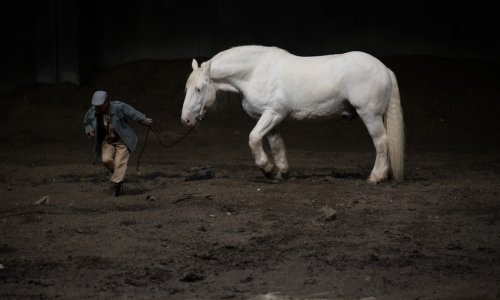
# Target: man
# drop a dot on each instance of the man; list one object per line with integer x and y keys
{"x": 114, "y": 138}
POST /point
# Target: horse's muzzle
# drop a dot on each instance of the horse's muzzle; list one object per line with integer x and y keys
{"x": 188, "y": 122}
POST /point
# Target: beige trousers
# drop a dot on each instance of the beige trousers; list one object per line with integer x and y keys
{"x": 115, "y": 159}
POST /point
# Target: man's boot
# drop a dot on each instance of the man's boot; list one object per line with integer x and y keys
{"x": 118, "y": 189}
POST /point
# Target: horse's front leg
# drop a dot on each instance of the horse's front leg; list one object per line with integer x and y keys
{"x": 266, "y": 123}
{"x": 279, "y": 153}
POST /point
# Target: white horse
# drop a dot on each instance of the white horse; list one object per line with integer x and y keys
{"x": 275, "y": 85}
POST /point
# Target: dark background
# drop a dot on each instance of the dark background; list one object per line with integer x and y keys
{"x": 237, "y": 235}
{"x": 63, "y": 41}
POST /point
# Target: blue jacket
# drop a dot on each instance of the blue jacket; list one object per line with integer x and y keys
{"x": 117, "y": 110}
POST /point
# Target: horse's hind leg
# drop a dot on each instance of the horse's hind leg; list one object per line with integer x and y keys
{"x": 266, "y": 123}
{"x": 375, "y": 126}
{"x": 279, "y": 153}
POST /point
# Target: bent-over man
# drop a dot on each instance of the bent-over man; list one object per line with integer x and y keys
{"x": 114, "y": 138}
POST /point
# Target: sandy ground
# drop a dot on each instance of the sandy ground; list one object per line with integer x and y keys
{"x": 325, "y": 233}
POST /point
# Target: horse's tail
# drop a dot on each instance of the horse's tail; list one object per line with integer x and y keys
{"x": 395, "y": 131}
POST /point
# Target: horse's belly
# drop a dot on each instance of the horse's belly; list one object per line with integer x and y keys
{"x": 318, "y": 110}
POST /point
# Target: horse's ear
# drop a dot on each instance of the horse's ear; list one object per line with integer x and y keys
{"x": 194, "y": 64}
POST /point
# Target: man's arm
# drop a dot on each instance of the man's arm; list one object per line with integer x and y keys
{"x": 87, "y": 121}
{"x": 136, "y": 115}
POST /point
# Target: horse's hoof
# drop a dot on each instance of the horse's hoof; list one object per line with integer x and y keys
{"x": 271, "y": 174}
{"x": 279, "y": 176}
{"x": 275, "y": 175}
{"x": 285, "y": 175}
{"x": 375, "y": 179}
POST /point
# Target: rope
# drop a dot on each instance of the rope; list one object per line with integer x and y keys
{"x": 157, "y": 131}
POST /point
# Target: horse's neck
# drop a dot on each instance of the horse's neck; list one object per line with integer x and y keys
{"x": 234, "y": 65}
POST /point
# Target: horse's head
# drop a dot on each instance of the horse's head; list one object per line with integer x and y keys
{"x": 200, "y": 94}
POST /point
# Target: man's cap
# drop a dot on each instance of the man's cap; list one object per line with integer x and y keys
{"x": 99, "y": 98}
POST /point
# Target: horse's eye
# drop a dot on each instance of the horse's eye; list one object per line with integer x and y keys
{"x": 197, "y": 90}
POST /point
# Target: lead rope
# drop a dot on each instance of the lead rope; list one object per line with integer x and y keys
{"x": 158, "y": 130}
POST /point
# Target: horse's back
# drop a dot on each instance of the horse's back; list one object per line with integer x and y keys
{"x": 314, "y": 86}
{"x": 334, "y": 77}
{"x": 341, "y": 70}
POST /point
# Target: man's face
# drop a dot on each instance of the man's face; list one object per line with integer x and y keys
{"x": 102, "y": 108}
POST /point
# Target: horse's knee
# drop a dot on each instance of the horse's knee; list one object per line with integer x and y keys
{"x": 254, "y": 142}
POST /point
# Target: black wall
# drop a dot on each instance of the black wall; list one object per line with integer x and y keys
{"x": 62, "y": 40}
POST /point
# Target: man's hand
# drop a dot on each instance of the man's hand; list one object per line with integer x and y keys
{"x": 149, "y": 121}
{"x": 91, "y": 133}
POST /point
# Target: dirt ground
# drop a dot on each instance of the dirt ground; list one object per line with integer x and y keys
{"x": 232, "y": 234}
